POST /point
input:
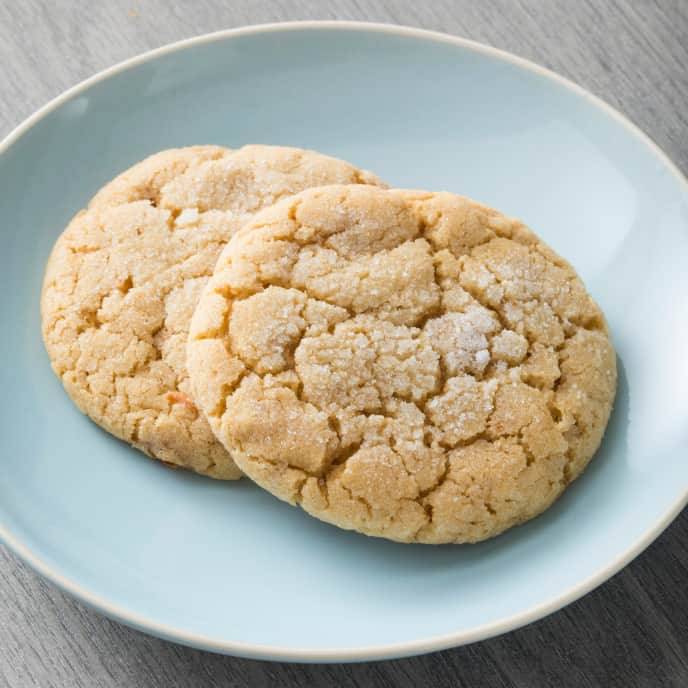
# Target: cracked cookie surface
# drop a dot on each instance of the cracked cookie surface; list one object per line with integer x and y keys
{"x": 410, "y": 365}
{"x": 124, "y": 277}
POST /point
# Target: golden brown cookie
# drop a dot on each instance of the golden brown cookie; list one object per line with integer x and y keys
{"x": 124, "y": 277}
{"x": 410, "y": 365}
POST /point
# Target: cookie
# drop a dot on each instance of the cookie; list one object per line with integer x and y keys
{"x": 123, "y": 280}
{"x": 406, "y": 364}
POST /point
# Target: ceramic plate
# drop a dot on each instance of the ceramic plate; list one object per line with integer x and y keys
{"x": 229, "y": 568}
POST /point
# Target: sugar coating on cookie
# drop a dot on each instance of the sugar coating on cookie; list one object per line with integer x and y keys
{"x": 124, "y": 277}
{"x": 410, "y": 365}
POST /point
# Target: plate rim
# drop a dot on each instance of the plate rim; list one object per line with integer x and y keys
{"x": 143, "y": 623}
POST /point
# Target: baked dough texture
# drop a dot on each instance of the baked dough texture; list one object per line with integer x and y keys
{"x": 124, "y": 277}
{"x": 410, "y": 365}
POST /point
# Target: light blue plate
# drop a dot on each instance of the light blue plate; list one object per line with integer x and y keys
{"x": 226, "y": 566}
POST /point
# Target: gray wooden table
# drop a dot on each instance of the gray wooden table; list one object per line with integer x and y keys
{"x": 633, "y": 631}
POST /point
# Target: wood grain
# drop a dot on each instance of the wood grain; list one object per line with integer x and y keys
{"x": 633, "y": 631}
